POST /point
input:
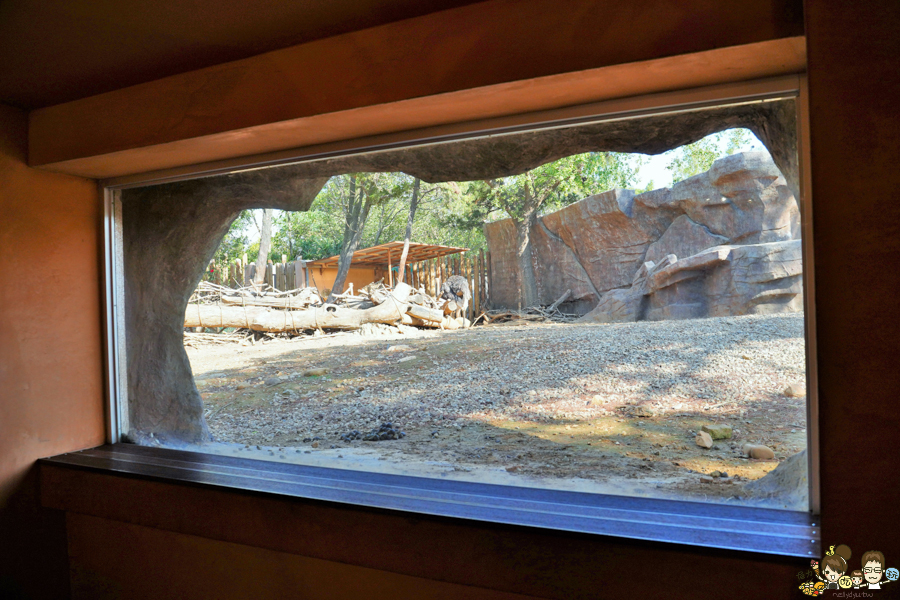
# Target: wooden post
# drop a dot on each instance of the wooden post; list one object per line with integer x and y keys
{"x": 390, "y": 270}
{"x": 476, "y": 293}
{"x": 483, "y": 280}
{"x": 489, "y": 279}
{"x": 429, "y": 276}
{"x": 471, "y": 280}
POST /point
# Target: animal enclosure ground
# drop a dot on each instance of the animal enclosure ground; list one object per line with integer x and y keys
{"x": 611, "y": 407}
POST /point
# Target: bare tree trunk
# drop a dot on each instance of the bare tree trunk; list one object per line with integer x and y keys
{"x": 265, "y": 245}
{"x": 358, "y": 207}
{"x": 528, "y": 281}
{"x": 409, "y": 223}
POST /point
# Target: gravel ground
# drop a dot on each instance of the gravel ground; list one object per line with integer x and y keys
{"x": 549, "y": 402}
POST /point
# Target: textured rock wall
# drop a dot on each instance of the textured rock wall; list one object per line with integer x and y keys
{"x": 722, "y": 242}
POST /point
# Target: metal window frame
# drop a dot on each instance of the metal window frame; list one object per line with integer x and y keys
{"x": 554, "y": 503}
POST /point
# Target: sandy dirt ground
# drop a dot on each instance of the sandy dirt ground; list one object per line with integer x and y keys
{"x": 612, "y": 408}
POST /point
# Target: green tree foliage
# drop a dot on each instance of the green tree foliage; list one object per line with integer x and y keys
{"x": 236, "y": 241}
{"x": 310, "y": 235}
{"x": 698, "y": 157}
{"x": 318, "y": 232}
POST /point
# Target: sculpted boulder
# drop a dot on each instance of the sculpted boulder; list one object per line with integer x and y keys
{"x": 724, "y": 242}
{"x": 720, "y": 281}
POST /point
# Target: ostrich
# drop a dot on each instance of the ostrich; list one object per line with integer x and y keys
{"x": 456, "y": 288}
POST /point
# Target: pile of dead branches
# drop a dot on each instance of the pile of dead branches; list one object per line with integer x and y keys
{"x": 536, "y": 314}
{"x": 255, "y": 295}
{"x": 268, "y": 310}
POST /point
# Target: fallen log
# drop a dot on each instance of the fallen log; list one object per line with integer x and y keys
{"x": 561, "y": 299}
{"x": 445, "y": 323}
{"x": 425, "y": 313}
{"x": 290, "y": 302}
{"x": 328, "y": 316}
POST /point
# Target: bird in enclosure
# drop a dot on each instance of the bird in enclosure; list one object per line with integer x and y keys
{"x": 456, "y": 289}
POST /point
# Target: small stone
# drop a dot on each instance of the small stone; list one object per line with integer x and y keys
{"x": 794, "y": 391}
{"x": 274, "y": 380}
{"x": 315, "y": 372}
{"x": 704, "y": 440}
{"x": 706, "y": 480}
{"x": 407, "y": 358}
{"x": 717, "y": 431}
{"x": 242, "y": 386}
{"x": 315, "y": 444}
{"x": 512, "y": 469}
{"x": 643, "y": 412}
{"x": 717, "y": 474}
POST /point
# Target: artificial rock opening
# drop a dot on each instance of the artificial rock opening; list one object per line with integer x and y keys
{"x": 171, "y": 231}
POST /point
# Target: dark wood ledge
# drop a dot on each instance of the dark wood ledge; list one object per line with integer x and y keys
{"x": 471, "y": 533}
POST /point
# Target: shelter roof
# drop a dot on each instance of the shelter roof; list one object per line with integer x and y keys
{"x": 389, "y": 253}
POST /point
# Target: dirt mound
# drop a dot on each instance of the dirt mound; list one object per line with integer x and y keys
{"x": 788, "y": 483}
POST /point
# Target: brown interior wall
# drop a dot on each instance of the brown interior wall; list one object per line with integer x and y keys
{"x": 51, "y": 370}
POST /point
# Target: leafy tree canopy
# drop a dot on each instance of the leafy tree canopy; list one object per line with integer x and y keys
{"x": 547, "y": 187}
{"x": 699, "y": 157}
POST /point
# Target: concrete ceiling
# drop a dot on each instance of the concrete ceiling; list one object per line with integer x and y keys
{"x": 54, "y": 51}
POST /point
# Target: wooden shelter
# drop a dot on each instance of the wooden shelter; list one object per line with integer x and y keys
{"x": 382, "y": 258}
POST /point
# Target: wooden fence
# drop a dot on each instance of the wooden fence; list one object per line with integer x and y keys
{"x": 430, "y": 274}
{"x": 238, "y": 273}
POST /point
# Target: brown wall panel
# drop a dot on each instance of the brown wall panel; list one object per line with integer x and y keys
{"x": 484, "y": 44}
{"x": 51, "y": 370}
{"x": 543, "y": 563}
{"x": 198, "y": 568}
{"x": 854, "y": 92}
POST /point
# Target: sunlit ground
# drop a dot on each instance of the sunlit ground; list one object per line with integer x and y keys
{"x": 545, "y": 402}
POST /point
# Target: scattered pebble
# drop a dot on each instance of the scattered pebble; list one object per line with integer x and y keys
{"x": 398, "y": 348}
{"x": 387, "y": 431}
{"x": 794, "y": 391}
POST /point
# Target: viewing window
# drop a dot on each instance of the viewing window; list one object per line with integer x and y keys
{"x": 610, "y": 304}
